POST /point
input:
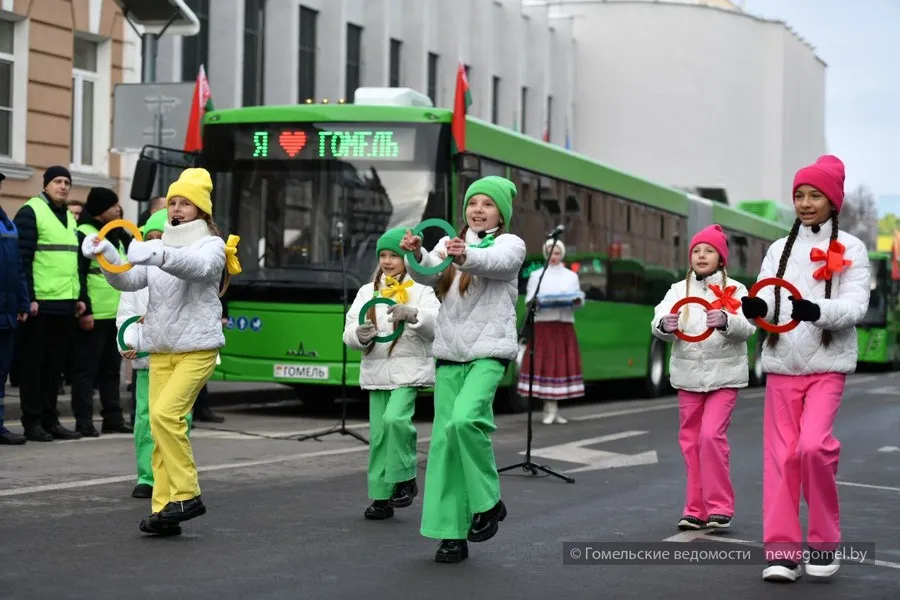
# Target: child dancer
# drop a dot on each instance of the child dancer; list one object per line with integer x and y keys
{"x": 806, "y": 370}
{"x": 392, "y": 372}
{"x": 557, "y": 369}
{"x": 475, "y": 340}
{"x": 707, "y": 375}
{"x": 134, "y": 304}
{"x": 182, "y": 330}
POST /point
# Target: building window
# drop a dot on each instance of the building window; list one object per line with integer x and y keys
{"x": 84, "y": 83}
{"x": 254, "y": 51}
{"x": 495, "y": 100}
{"x": 395, "y": 63}
{"x": 195, "y": 49}
{"x": 7, "y": 65}
{"x": 354, "y": 60}
{"x": 524, "y": 121}
{"x": 432, "y": 77}
{"x": 306, "y": 75}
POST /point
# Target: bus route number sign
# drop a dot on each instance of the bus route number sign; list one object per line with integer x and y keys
{"x": 344, "y": 143}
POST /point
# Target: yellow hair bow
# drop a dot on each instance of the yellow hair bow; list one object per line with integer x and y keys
{"x": 395, "y": 288}
{"x": 232, "y": 263}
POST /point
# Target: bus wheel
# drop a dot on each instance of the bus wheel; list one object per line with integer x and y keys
{"x": 655, "y": 383}
{"x": 757, "y": 376}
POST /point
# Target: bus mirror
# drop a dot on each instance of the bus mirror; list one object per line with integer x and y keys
{"x": 144, "y": 178}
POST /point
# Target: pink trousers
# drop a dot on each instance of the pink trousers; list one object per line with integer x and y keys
{"x": 799, "y": 449}
{"x": 705, "y": 418}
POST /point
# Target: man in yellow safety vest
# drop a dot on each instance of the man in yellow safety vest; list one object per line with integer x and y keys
{"x": 49, "y": 249}
{"x": 97, "y": 355}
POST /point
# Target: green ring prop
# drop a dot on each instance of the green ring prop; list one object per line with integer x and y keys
{"x": 121, "y": 337}
{"x": 448, "y": 229}
{"x": 381, "y": 300}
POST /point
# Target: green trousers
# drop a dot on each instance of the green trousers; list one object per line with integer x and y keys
{"x": 461, "y": 478}
{"x": 143, "y": 441}
{"x": 393, "y": 438}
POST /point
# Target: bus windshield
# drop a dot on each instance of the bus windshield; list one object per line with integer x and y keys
{"x": 293, "y": 212}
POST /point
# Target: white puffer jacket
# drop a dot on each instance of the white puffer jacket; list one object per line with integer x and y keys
{"x": 481, "y": 324}
{"x": 411, "y": 364}
{"x": 184, "y": 313}
{"x": 133, "y": 304}
{"x": 719, "y": 361}
{"x": 800, "y": 351}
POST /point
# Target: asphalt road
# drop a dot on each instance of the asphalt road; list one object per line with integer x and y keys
{"x": 285, "y": 517}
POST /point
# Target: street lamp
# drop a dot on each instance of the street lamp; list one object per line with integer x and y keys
{"x": 150, "y": 19}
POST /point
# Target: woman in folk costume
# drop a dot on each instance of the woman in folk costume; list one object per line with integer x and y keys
{"x": 707, "y": 374}
{"x": 393, "y": 372}
{"x": 475, "y": 341}
{"x": 807, "y": 369}
{"x": 182, "y": 331}
{"x": 557, "y": 359}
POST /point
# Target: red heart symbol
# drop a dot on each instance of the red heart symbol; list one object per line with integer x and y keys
{"x": 292, "y": 142}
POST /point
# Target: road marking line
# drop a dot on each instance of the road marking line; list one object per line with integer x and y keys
{"x": 870, "y": 486}
{"x": 689, "y": 536}
{"x": 223, "y": 467}
{"x": 626, "y": 411}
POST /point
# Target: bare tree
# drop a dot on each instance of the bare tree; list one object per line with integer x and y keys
{"x": 859, "y": 216}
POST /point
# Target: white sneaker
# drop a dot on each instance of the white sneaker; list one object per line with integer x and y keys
{"x": 782, "y": 573}
{"x": 560, "y": 420}
{"x": 548, "y": 419}
{"x": 820, "y": 570}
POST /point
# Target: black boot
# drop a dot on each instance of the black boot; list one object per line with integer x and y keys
{"x": 142, "y": 490}
{"x": 186, "y": 510}
{"x": 485, "y": 525}
{"x": 452, "y": 551}
{"x": 404, "y": 494}
{"x": 156, "y": 526}
{"x": 8, "y": 438}
{"x": 379, "y": 510}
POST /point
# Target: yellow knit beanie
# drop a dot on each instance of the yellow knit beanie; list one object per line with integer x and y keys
{"x": 195, "y": 185}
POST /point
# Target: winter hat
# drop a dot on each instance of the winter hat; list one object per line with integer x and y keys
{"x": 827, "y": 176}
{"x": 499, "y": 189}
{"x": 549, "y": 244}
{"x": 195, "y": 185}
{"x": 715, "y": 237}
{"x": 54, "y": 172}
{"x": 156, "y": 222}
{"x": 99, "y": 200}
{"x": 391, "y": 241}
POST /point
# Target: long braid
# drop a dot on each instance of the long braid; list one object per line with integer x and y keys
{"x": 772, "y": 338}
{"x": 826, "y": 335}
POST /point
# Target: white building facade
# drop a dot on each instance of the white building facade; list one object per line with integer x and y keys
{"x": 694, "y": 95}
{"x": 270, "y": 52}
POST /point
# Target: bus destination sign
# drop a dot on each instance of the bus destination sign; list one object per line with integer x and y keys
{"x": 344, "y": 143}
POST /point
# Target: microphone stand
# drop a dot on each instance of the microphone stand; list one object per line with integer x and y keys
{"x": 342, "y": 428}
{"x": 527, "y": 465}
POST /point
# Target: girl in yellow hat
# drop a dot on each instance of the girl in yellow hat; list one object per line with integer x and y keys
{"x": 182, "y": 331}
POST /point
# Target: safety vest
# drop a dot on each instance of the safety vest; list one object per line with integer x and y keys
{"x": 104, "y": 297}
{"x": 55, "y": 267}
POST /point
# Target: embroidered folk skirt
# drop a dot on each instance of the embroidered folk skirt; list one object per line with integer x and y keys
{"x": 557, "y": 363}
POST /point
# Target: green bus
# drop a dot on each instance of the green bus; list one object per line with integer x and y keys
{"x": 293, "y": 181}
{"x": 879, "y": 334}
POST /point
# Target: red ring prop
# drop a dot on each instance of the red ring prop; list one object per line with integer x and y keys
{"x": 692, "y": 300}
{"x": 776, "y": 281}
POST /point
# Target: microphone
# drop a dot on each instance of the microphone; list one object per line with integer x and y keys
{"x": 560, "y": 229}
{"x": 175, "y": 221}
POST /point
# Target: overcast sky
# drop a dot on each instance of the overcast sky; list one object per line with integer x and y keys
{"x": 859, "y": 40}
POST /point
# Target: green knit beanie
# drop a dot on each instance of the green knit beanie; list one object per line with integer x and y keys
{"x": 156, "y": 222}
{"x": 500, "y": 190}
{"x": 391, "y": 241}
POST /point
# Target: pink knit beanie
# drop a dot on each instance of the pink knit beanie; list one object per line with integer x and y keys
{"x": 827, "y": 176}
{"x": 715, "y": 237}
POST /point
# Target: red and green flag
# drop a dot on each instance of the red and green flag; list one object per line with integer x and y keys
{"x": 461, "y": 103}
{"x": 200, "y": 104}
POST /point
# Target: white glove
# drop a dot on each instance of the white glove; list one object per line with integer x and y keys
{"x": 146, "y": 253}
{"x": 366, "y": 332}
{"x": 105, "y": 248}
{"x": 403, "y": 312}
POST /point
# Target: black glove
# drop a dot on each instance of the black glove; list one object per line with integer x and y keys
{"x": 754, "y": 307}
{"x": 804, "y": 310}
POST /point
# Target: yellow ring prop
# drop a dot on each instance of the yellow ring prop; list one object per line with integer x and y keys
{"x": 128, "y": 226}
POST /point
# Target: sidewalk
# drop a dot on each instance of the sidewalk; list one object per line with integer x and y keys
{"x": 221, "y": 393}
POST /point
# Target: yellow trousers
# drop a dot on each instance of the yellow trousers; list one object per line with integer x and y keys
{"x": 175, "y": 381}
